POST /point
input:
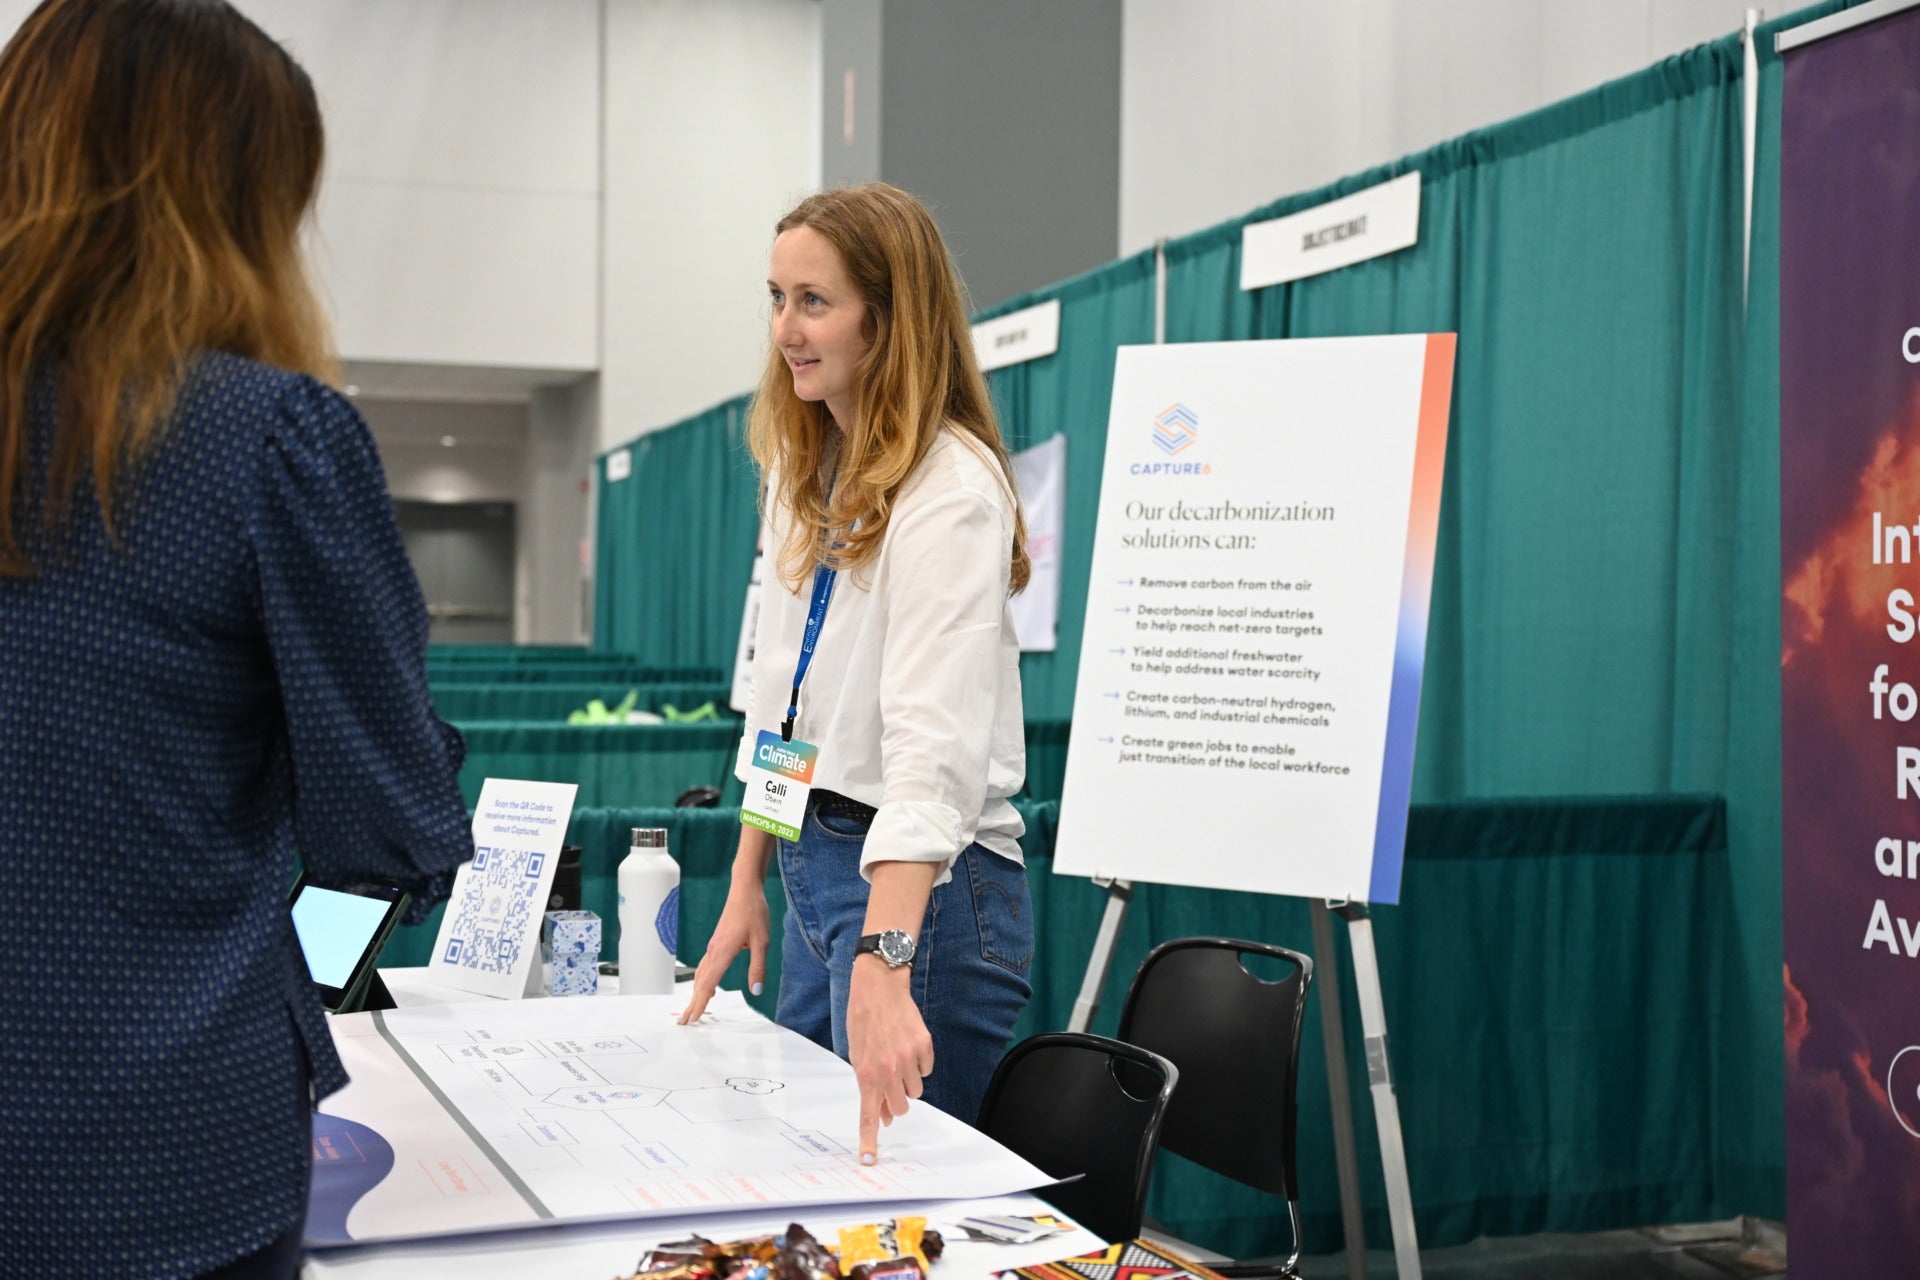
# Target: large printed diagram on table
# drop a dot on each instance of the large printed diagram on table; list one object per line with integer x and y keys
{"x": 503, "y": 1114}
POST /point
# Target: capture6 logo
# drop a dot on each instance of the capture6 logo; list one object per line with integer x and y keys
{"x": 1175, "y": 429}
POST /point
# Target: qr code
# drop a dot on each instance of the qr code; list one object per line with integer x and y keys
{"x": 492, "y": 911}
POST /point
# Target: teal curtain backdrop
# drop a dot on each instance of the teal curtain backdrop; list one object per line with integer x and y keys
{"x": 673, "y": 543}
{"x": 1067, "y": 394}
{"x": 1603, "y": 617}
{"x": 1605, "y": 613}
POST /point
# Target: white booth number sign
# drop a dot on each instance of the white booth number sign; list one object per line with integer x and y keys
{"x": 1018, "y": 336}
{"x": 1367, "y": 224}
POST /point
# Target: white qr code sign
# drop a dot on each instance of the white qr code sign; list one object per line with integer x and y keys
{"x": 489, "y": 939}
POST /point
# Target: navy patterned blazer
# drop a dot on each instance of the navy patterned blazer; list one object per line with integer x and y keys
{"x": 241, "y": 677}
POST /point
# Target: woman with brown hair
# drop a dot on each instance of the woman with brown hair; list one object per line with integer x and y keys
{"x": 211, "y": 647}
{"x": 898, "y": 537}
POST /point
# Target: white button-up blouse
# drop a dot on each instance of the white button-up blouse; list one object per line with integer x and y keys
{"x": 913, "y": 696}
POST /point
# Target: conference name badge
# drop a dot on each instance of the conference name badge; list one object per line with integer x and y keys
{"x": 776, "y": 797}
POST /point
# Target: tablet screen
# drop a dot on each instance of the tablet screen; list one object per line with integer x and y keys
{"x": 334, "y": 930}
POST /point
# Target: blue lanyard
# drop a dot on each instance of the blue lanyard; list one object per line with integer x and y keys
{"x": 823, "y": 580}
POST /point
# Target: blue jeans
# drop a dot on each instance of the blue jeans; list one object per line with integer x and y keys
{"x": 974, "y": 949}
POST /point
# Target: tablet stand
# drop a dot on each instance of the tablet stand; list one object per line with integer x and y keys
{"x": 368, "y": 994}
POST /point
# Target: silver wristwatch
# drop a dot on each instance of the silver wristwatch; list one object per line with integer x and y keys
{"x": 895, "y": 946}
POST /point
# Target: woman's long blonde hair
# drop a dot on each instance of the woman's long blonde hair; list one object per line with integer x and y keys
{"x": 918, "y": 376}
{"x": 157, "y": 158}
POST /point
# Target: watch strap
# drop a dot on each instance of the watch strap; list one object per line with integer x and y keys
{"x": 872, "y": 942}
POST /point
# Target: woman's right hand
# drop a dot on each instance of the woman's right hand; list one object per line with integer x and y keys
{"x": 745, "y": 924}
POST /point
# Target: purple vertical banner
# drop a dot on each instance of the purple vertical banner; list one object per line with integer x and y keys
{"x": 1850, "y": 648}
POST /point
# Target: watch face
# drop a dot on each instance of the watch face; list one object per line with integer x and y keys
{"x": 896, "y": 948}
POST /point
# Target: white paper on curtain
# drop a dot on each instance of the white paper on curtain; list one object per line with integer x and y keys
{"x": 1040, "y": 475}
{"x": 742, "y": 692}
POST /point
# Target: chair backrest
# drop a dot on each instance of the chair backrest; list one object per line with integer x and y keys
{"x": 1236, "y": 1039}
{"x": 1080, "y": 1104}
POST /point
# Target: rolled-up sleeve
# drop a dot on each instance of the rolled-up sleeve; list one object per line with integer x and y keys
{"x": 946, "y": 594}
{"x": 374, "y": 770}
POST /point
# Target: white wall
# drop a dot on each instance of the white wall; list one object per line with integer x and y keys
{"x": 1228, "y": 104}
{"x": 712, "y": 133}
{"x": 459, "y": 233}
{"x": 460, "y": 208}
{"x": 459, "y": 215}
{"x": 461, "y": 237}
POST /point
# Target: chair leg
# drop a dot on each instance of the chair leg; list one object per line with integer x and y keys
{"x": 1267, "y": 1270}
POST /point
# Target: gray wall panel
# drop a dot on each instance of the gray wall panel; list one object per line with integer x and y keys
{"x": 850, "y": 34}
{"x": 1004, "y": 115}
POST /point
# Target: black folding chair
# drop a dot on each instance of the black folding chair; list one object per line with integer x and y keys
{"x": 1236, "y": 1039}
{"x": 1080, "y": 1104}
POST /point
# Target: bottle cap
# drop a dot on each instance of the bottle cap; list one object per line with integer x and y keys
{"x": 649, "y": 838}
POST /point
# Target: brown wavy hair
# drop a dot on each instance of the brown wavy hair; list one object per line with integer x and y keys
{"x": 157, "y": 160}
{"x": 919, "y": 375}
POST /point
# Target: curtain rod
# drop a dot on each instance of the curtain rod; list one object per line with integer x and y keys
{"x": 1834, "y": 23}
{"x": 1749, "y": 135}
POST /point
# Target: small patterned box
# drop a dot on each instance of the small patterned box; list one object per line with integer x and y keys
{"x": 571, "y": 976}
{"x": 570, "y": 953}
{"x": 570, "y": 933}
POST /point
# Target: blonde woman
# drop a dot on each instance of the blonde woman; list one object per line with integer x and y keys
{"x": 212, "y": 649}
{"x": 886, "y": 644}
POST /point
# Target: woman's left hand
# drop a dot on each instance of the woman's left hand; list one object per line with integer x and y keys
{"x": 888, "y": 1044}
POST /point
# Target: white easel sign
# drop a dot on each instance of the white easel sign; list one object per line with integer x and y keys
{"x": 489, "y": 940}
{"x": 1249, "y": 679}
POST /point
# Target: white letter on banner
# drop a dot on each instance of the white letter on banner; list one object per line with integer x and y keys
{"x": 1880, "y": 929}
{"x": 1908, "y": 765}
{"x": 1900, "y": 609}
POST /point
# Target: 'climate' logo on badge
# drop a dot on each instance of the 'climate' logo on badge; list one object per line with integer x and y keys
{"x": 1175, "y": 428}
{"x": 788, "y": 759}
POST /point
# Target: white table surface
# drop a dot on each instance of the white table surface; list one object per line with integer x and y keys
{"x": 599, "y": 1251}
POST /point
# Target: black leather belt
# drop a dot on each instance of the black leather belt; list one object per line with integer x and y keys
{"x": 842, "y": 806}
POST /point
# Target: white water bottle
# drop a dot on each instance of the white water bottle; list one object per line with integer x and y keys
{"x": 649, "y": 886}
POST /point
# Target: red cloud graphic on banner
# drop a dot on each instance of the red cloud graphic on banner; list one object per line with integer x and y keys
{"x": 1837, "y": 580}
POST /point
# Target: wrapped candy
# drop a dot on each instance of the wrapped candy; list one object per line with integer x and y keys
{"x": 882, "y": 1242}
{"x": 896, "y": 1249}
{"x": 891, "y": 1269}
{"x": 674, "y": 1271}
{"x": 804, "y": 1258}
{"x": 698, "y": 1258}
